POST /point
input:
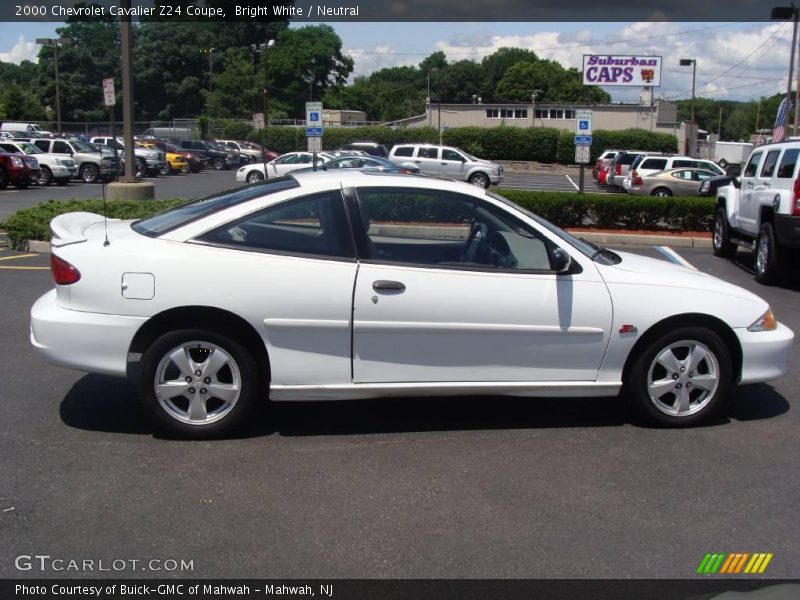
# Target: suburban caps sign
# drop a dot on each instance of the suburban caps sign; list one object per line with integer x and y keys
{"x": 615, "y": 69}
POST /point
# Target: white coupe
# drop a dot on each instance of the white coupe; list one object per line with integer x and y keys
{"x": 283, "y": 165}
{"x": 353, "y": 285}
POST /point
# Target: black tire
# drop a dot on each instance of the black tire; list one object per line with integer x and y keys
{"x": 186, "y": 169}
{"x": 767, "y": 258}
{"x": 480, "y": 179}
{"x": 722, "y": 163}
{"x": 89, "y": 173}
{"x": 23, "y": 183}
{"x": 140, "y": 167}
{"x": 218, "y": 163}
{"x": 254, "y": 177}
{"x": 45, "y": 176}
{"x": 165, "y": 170}
{"x": 661, "y": 192}
{"x": 172, "y": 414}
{"x": 153, "y": 172}
{"x": 664, "y": 408}
{"x": 62, "y": 181}
{"x": 721, "y": 243}
{"x": 3, "y": 179}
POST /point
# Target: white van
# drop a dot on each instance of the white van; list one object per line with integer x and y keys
{"x": 177, "y": 133}
{"x": 29, "y": 129}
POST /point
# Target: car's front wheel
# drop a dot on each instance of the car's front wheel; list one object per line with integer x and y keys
{"x": 767, "y": 260}
{"x": 218, "y": 164}
{"x": 198, "y": 384}
{"x": 682, "y": 378}
{"x": 254, "y": 177}
{"x": 480, "y": 180}
{"x": 721, "y": 241}
{"x": 89, "y": 173}
{"x": 45, "y": 176}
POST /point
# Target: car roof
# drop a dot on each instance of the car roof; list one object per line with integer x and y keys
{"x": 358, "y": 178}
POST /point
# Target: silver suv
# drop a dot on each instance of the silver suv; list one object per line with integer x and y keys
{"x": 449, "y": 163}
{"x": 92, "y": 165}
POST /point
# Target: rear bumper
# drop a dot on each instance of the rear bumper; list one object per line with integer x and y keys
{"x": 92, "y": 342}
{"x": 765, "y": 354}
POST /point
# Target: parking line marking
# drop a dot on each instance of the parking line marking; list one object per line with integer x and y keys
{"x": 18, "y": 256}
{"x": 572, "y": 182}
{"x": 674, "y": 257}
{"x": 26, "y": 268}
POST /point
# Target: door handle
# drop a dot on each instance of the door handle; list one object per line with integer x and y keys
{"x": 383, "y": 285}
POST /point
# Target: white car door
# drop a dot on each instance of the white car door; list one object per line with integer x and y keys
{"x": 457, "y": 289}
{"x": 746, "y": 219}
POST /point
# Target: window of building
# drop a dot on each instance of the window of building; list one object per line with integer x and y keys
{"x": 492, "y": 113}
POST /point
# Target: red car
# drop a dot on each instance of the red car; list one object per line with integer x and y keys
{"x": 18, "y": 170}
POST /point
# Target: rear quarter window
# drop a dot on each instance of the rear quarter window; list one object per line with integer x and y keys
{"x": 404, "y": 151}
{"x": 788, "y": 163}
{"x": 654, "y": 163}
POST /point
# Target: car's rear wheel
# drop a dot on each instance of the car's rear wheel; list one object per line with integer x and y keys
{"x": 254, "y": 177}
{"x": 682, "y": 378}
{"x": 141, "y": 168}
{"x": 198, "y": 384}
{"x": 721, "y": 241}
{"x": 479, "y": 179}
{"x": 89, "y": 173}
{"x": 45, "y": 176}
{"x": 767, "y": 258}
{"x": 661, "y": 192}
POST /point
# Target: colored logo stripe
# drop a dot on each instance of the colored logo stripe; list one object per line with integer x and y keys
{"x": 733, "y": 563}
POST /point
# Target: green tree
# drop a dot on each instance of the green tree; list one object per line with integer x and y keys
{"x": 20, "y": 104}
{"x": 236, "y": 91}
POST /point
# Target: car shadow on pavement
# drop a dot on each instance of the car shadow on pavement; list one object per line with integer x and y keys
{"x": 789, "y": 281}
{"x": 102, "y": 403}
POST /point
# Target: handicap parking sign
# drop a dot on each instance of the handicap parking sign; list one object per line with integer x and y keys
{"x": 313, "y": 116}
{"x": 583, "y": 125}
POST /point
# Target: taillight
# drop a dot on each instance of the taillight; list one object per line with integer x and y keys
{"x": 637, "y": 180}
{"x": 619, "y": 169}
{"x": 796, "y": 198}
{"x": 63, "y": 272}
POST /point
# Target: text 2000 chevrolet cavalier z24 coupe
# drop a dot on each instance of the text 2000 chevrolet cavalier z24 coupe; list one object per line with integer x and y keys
{"x": 358, "y": 285}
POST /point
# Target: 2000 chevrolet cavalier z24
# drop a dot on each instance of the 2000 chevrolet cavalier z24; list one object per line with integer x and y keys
{"x": 356, "y": 285}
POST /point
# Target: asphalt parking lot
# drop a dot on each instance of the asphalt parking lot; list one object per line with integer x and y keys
{"x": 406, "y": 488}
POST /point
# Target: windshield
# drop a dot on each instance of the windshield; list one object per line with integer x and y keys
{"x": 197, "y": 209}
{"x": 82, "y": 146}
{"x": 29, "y": 148}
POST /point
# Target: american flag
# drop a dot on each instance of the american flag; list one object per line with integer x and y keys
{"x": 780, "y": 121}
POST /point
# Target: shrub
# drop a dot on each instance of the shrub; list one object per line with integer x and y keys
{"x": 235, "y": 130}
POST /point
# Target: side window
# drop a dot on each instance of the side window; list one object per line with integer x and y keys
{"x": 680, "y": 163}
{"x": 768, "y": 168}
{"x": 428, "y": 153}
{"x": 444, "y": 229}
{"x": 61, "y": 148}
{"x": 9, "y": 148}
{"x": 686, "y": 174}
{"x": 659, "y": 164}
{"x": 42, "y": 145}
{"x": 451, "y": 155}
{"x": 788, "y": 162}
{"x": 314, "y": 225}
{"x": 752, "y": 165}
{"x": 404, "y": 151}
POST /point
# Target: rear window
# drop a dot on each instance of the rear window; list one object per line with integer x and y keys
{"x": 181, "y": 215}
{"x": 788, "y": 162}
{"x": 404, "y": 151}
{"x": 627, "y": 159}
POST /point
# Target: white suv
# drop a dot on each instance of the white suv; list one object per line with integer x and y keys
{"x": 647, "y": 164}
{"x": 52, "y": 167}
{"x": 761, "y": 210}
{"x": 449, "y": 163}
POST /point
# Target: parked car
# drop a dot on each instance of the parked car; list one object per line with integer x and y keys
{"x": 26, "y": 129}
{"x": 603, "y": 161}
{"x": 285, "y": 163}
{"x": 649, "y": 163}
{"x": 196, "y": 161}
{"x": 619, "y": 166}
{"x": 761, "y": 211}
{"x": 371, "y": 148}
{"x": 449, "y": 163}
{"x": 218, "y": 159}
{"x": 176, "y": 162}
{"x": 92, "y": 164}
{"x": 248, "y": 150}
{"x": 366, "y": 163}
{"x": 18, "y": 170}
{"x": 51, "y": 166}
{"x": 148, "y": 161}
{"x": 355, "y": 285}
{"x": 674, "y": 182}
{"x": 710, "y": 186}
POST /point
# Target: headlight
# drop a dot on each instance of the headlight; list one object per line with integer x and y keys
{"x": 765, "y": 322}
{"x": 17, "y": 161}
{"x": 241, "y": 170}
{"x": 495, "y": 171}
{"x": 704, "y": 186}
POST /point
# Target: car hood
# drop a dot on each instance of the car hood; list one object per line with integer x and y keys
{"x": 635, "y": 269}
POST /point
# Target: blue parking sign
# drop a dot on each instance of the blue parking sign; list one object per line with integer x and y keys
{"x": 314, "y": 116}
{"x": 583, "y": 125}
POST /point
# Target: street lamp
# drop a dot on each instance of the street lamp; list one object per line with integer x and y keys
{"x": 55, "y": 43}
{"x": 210, "y": 52}
{"x": 264, "y": 47}
{"x": 685, "y": 62}
{"x": 783, "y": 13}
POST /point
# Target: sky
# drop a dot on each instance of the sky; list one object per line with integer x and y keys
{"x": 735, "y": 61}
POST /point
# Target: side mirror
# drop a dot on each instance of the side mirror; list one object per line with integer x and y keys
{"x": 561, "y": 261}
{"x": 737, "y": 182}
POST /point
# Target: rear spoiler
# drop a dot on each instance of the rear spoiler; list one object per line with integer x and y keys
{"x": 70, "y": 228}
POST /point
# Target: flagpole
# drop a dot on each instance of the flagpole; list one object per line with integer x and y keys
{"x": 791, "y": 68}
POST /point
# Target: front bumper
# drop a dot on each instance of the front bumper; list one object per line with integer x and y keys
{"x": 765, "y": 354}
{"x": 97, "y": 343}
{"x": 787, "y": 228}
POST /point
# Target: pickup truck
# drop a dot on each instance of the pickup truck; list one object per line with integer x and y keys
{"x": 760, "y": 211}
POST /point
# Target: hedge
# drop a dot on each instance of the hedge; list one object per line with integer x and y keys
{"x": 541, "y": 144}
{"x": 565, "y": 209}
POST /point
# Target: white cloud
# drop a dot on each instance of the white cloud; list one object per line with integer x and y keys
{"x": 22, "y": 50}
{"x": 734, "y": 61}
